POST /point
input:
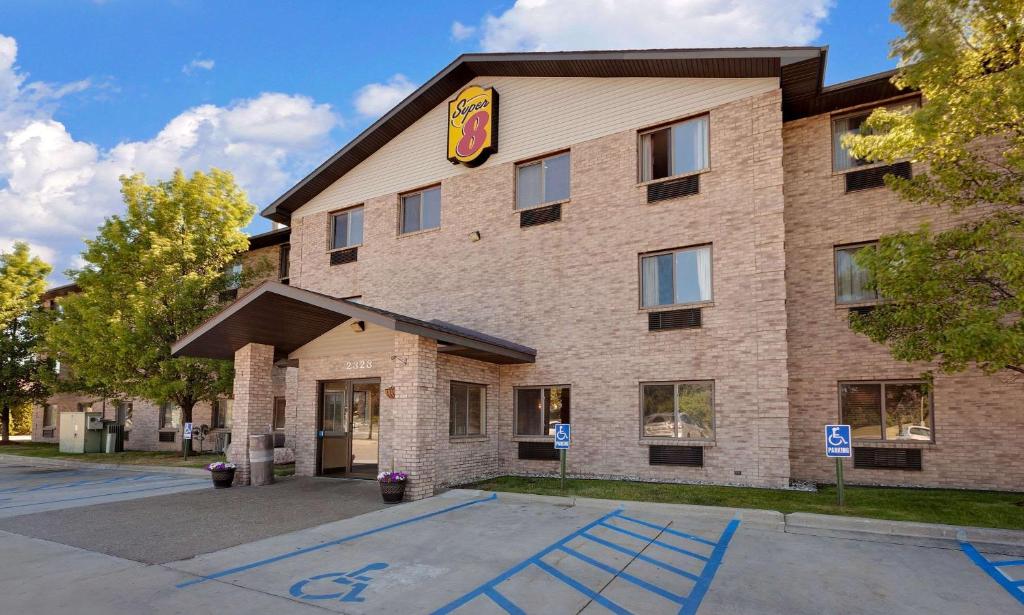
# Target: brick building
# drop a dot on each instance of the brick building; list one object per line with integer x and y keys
{"x": 654, "y": 246}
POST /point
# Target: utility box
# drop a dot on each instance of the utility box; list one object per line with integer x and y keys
{"x": 81, "y": 432}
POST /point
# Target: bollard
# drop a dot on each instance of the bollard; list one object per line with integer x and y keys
{"x": 261, "y": 460}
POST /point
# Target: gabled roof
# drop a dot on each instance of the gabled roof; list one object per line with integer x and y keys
{"x": 801, "y": 70}
{"x": 287, "y": 318}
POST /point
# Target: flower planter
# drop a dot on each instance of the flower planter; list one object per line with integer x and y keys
{"x": 222, "y": 479}
{"x": 392, "y": 492}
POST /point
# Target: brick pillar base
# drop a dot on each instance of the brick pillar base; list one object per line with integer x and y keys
{"x": 415, "y": 413}
{"x": 253, "y": 407}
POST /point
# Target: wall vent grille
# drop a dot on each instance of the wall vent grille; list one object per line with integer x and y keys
{"x": 887, "y": 458}
{"x": 686, "y": 186}
{"x": 687, "y": 318}
{"x": 865, "y": 179}
{"x": 541, "y": 215}
{"x": 692, "y": 456}
{"x": 341, "y": 257}
{"x": 538, "y": 450}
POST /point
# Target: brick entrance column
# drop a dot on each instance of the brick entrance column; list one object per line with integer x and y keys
{"x": 253, "y": 409}
{"x": 415, "y": 413}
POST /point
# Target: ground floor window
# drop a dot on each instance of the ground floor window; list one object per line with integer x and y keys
{"x": 895, "y": 410}
{"x": 221, "y": 414}
{"x": 683, "y": 409}
{"x": 537, "y": 409}
{"x": 124, "y": 414}
{"x": 466, "y": 417}
{"x": 49, "y": 414}
{"x": 279, "y": 407}
{"x": 170, "y": 416}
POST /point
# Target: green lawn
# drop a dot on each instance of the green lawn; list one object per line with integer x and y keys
{"x": 148, "y": 458}
{"x": 949, "y": 506}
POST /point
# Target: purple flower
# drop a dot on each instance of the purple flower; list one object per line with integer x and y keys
{"x": 220, "y": 465}
{"x": 392, "y": 477}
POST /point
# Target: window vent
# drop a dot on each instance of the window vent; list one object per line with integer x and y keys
{"x": 688, "y": 318}
{"x": 692, "y": 456}
{"x": 686, "y": 186}
{"x": 887, "y": 458}
{"x": 538, "y": 450}
{"x": 874, "y": 177}
{"x": 863, "y": 310}
{"x": 540, "y": 215}
{"x": 166, "y": 436}
{"x": 48, "y": 433}
{"x": 341, "y": 257}
{"x": 229, "y": 295}
{"x": 278, "y": 439}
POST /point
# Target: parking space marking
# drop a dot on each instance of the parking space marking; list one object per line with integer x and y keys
{"x": 689, "y": 603}
{"x": 996, "y": 569}
{"x": 325, "y": 545}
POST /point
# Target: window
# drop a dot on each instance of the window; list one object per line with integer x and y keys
{"x": 170, "y": 416}
{"x": 85, "y": 406}
{"x": 124, "y": 414}
{"x": 421, "y": 210}
{"x": 537, "y": 409}
{"x": 887, "y": 410}
{"x": 677, "y": 277}
{"x": 682, "y": 410}
{"x": 234, "y": 275}
{"x": 842, "y": 160}
{"x": 347, "y": 228}
{"x": 282, "y": 262}
{"x": 853, "y": 285}
{"x": 221, "y": 414}
{"x": 49, "y": 414}
{"x": 542, "y": 181}
{"x": 279, "y": 408}
{"x": 674, "y": 150}
{"x": 467, "y": 409}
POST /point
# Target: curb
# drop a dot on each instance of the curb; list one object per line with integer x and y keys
{"x": 69, "y": 463}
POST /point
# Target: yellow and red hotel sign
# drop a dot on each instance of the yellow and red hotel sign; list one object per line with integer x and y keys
{"x": 472, "y": 125}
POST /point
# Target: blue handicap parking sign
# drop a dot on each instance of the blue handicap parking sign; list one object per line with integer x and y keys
{"x": 837, "y": 441}
{"x": 562, "y": 431}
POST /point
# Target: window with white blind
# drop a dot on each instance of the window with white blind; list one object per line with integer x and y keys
{"x": 853, "y": 283}
{"x": 676, "y": 277}
{"x": 678, "y": 149}
{"x": 843, "y": 160}
{"x": 542, "y": 181}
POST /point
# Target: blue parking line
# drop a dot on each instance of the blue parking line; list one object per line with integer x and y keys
{"x": 1012, "y": 562}
{"x": 706, "y": 577}
{"x": 653, "y": 541}
{"x": 640, "y": 556}
{"x": 581, "y": 588}
{"x": 332, "y": 543}
{"x": 625, "y": 575}
{"x": 669, "y": 530}
{"x": 101, "y": 495}
{"x": 990, "y": 568}
{"x": 507, "y": 605}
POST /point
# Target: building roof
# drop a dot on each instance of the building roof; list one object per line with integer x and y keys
{"x": 275, "y": 237}
{"x": 287, "y": 318}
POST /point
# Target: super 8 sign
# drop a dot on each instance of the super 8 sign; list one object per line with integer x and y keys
{"x": 472, "y": 125}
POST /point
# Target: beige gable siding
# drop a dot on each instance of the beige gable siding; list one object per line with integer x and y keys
{"x": 536, "y": 115}
{"x": 342, "y": 340}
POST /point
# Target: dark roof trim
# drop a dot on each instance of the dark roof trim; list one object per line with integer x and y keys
{"x": 275, "y": 237}
{"x": 59, "y": 291}
{"x": 461, "y": 338}
{"x": 693, "y": 63}
{"x": 853, "y": 93}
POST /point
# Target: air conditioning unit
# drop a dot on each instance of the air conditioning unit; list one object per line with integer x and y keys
{"x": 93, "y": 420}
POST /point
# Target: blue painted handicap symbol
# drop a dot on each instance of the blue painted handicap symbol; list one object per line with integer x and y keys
{"x": 837, "y": 441}
{"x": 353, "y": 583}
{"x": 562, "y": 432}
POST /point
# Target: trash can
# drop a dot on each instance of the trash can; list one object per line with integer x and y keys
{"x": 261, "y": 460}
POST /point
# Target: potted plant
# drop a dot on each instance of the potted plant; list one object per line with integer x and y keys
{"x": 392, "y": 486}
{"x": 223, "y": 474}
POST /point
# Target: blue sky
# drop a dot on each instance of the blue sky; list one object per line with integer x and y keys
{"x": 91, "y": 89}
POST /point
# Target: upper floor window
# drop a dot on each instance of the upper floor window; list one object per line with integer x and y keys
{"x": 853, "y": 283}
{"x": 466, "y": 417}
{"x": 542, "y": 181}
{"x": 347, "y": 228}
{"x": 678, "y": 410}
{"x": 283, "y": 261}
{"x": 887, "y": 410}
{"x": 234, "y": 275}
{"x": 843, "y": 160}
{"x": 170, "y": 416}
{"x": 421, "y": 210}
{"x": 537, "y": 409}
{"x": 674, "y": 150}
{"x": 676, "y": 277}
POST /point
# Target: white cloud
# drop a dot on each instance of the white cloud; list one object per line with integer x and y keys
{"x": 56, "y": 189}
{"x": 198, "y": 64}
{"x": 542, "y": 25}
{"x": 461, "y": 31}
{"x": 376, "y": 99}
{"x": 46, "y": 253}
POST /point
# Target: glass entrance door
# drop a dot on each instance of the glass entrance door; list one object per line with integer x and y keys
{"x": 349, "y": 428}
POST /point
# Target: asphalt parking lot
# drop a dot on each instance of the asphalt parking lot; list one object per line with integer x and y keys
{"x": 476, "y": 552}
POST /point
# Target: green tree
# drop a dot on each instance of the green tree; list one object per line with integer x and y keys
{"x": 955, "y": 295}
{"x": 151, "y": 276}
{"x": 21, "y": 420}
{"x": 22, "y": 281}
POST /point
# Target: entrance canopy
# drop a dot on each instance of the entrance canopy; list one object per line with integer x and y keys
{"x": 287, "y": 318}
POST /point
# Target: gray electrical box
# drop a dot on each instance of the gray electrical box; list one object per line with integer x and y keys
{"x": 81, "y": 432}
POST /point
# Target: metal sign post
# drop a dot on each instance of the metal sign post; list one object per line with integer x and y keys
{"x": 562, "y": 437}
{"x": 838, "y": 444}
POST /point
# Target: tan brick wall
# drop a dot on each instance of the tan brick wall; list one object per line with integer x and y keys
{"x": 977, "y": 417}
{"x": 570, "y": 290}
{"x": 254, "y": 403}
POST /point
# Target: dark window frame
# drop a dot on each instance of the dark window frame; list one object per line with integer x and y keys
{"x": 640, "y": 273}
{"x": 535, "y": 161}
{"x": 515, "y": 408}
{"x": 162, "y": 417}
{"x": 53, "y": 415}
{"x": 865, "y": 111}
{"x": 470, "y": 386}
{"x": 929, "y": 390}
{"x": 835, "y": 274}
{"x": 675, "y": 406}
{"x": 217, "y": 414}
{"x": 641, "y": 133}
{"x": 283, "y": 262}
{"x": 284, "y": 414}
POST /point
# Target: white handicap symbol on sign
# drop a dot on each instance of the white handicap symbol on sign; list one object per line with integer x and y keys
{"x": 837, "y": 441}
{"x": 356, "y": 581}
